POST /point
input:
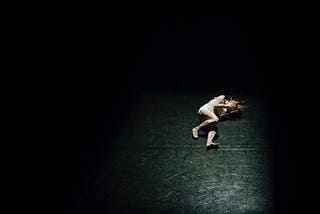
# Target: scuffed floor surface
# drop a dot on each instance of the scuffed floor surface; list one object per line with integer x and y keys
{"x": 153, "y": 165}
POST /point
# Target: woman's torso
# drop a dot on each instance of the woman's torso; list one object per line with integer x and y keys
{"x": 211, "y": 106}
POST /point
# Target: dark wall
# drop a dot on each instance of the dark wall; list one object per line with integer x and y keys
{"x": 200, "y": 52}
{"x": 171, "y": 51}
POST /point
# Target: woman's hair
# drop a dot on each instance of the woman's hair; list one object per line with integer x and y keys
{"x": 238, "y": 104}
{"x": 237, "y": 107}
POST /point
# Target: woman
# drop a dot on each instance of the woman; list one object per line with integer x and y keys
{"x": 210, "y": 113}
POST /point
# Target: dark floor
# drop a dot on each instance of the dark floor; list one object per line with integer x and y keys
{"x": 153, "y": 165}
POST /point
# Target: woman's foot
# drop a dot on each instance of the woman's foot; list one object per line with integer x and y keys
{"x": 195, "y": 133}
{"x": 212, "y": 146}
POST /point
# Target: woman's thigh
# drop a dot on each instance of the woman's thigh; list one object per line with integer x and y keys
{"x": 206, "y": 114}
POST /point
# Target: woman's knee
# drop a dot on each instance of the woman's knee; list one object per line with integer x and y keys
{"x": 212, "y": 133}
{"x": 213, "y": 120}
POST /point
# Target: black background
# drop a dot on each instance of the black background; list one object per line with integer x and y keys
{"x": 93, "y": 63}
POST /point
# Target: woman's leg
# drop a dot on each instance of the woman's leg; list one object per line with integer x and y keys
{"x": 206, "y": 117}
{"x": 211, "y": 135}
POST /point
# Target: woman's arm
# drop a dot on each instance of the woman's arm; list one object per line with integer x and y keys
{"x": 224, "y": 106}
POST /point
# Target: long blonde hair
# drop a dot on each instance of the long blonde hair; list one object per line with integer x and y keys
{"x": 238, "y": 104}
{"x": 237, "y": 108}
